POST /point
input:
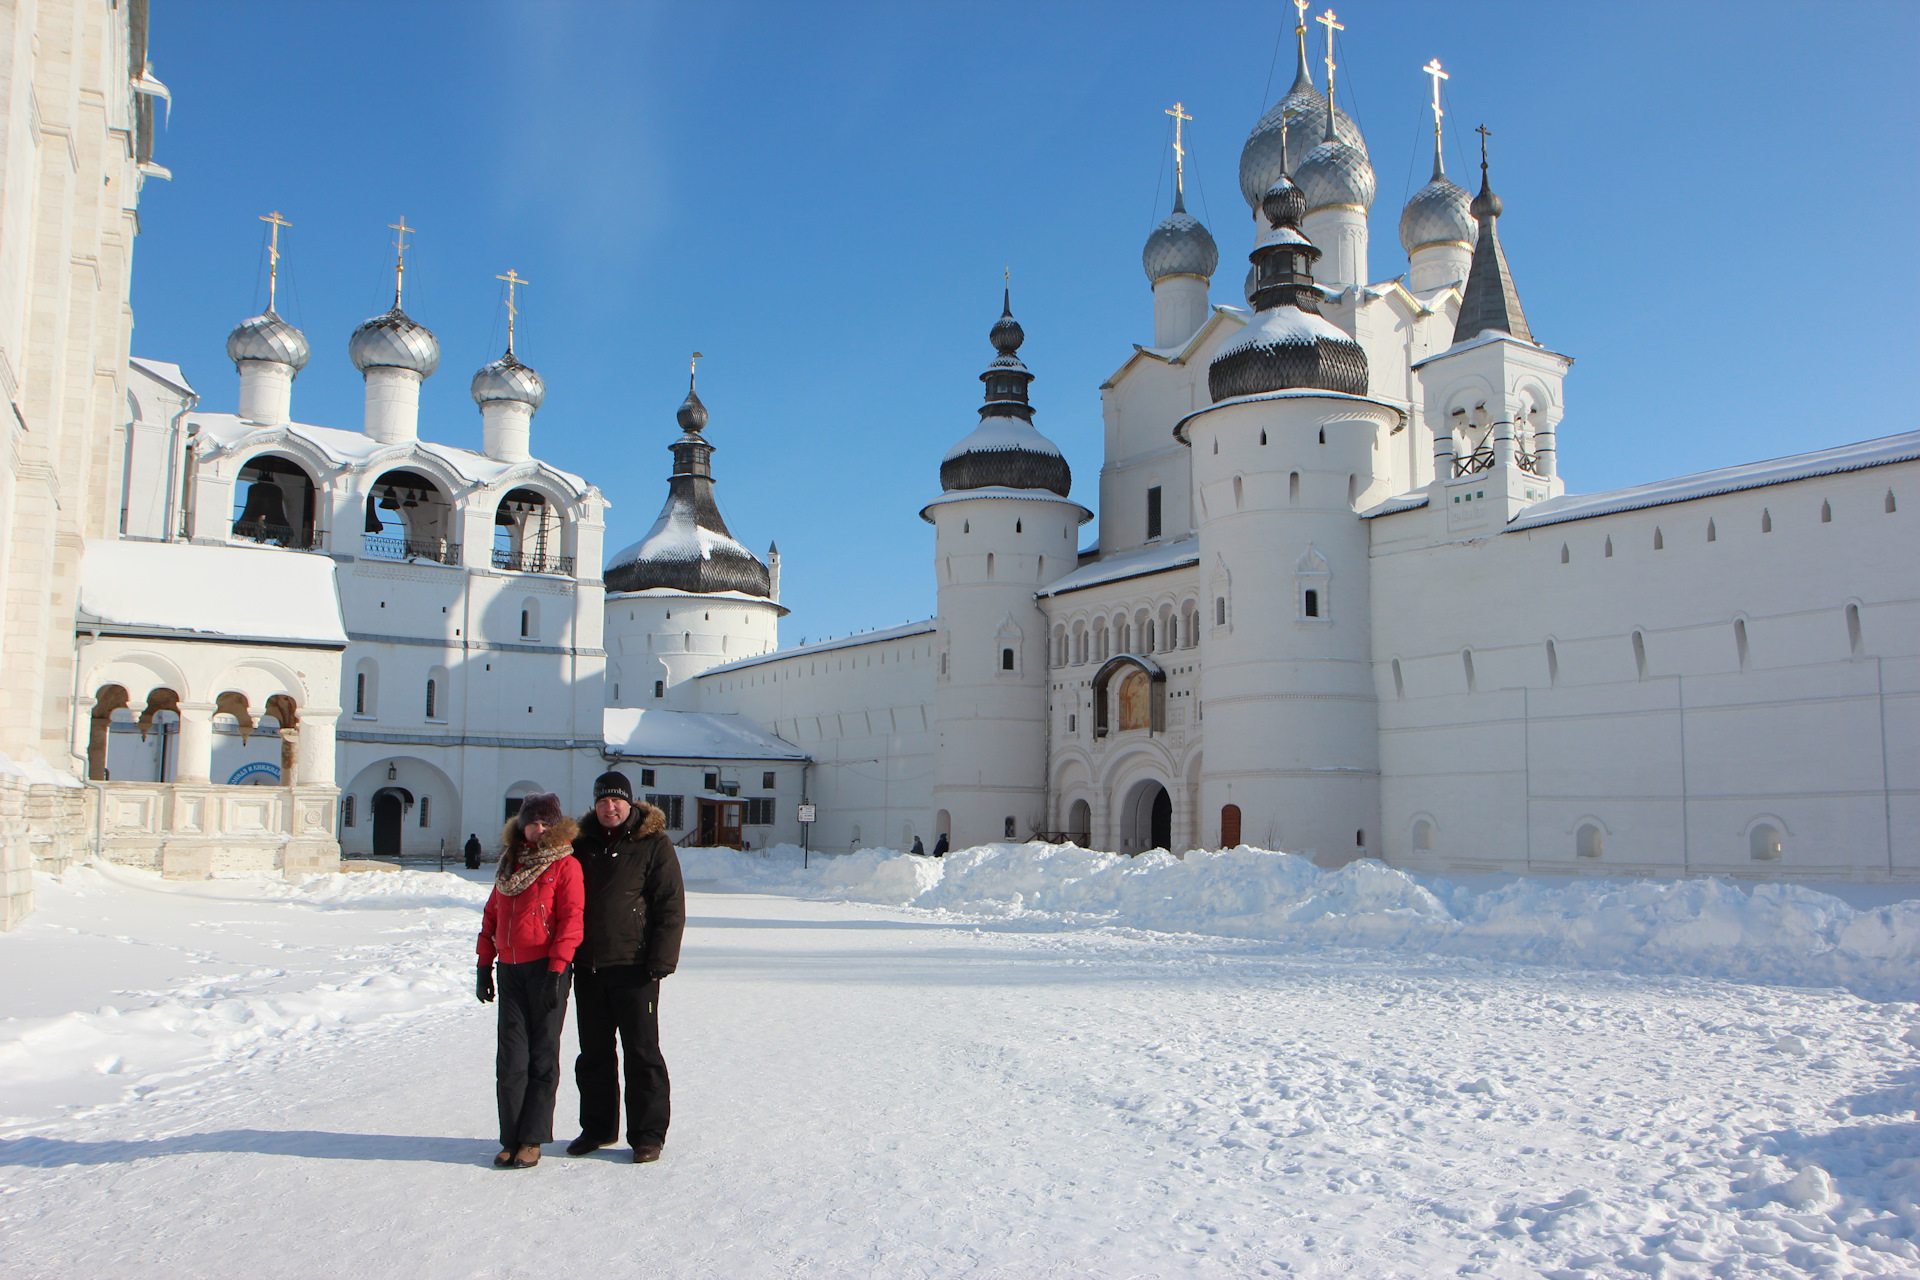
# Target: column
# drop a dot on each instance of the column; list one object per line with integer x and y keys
{"x": 195, "y": 759}
{"x": 313, "y": 755}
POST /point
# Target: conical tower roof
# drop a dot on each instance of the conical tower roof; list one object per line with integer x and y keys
{"x": 1489, "y": 301}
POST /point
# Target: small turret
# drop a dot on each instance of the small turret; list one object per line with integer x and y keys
{"x": 1005, "y": 451}
{"x": 508, "y": 393}
{"x": 395, "y": 354}
{"x": 1179, "y": 258}
{"x": 267, "y": 352}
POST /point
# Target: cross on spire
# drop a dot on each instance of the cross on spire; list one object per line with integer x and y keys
{"x": 512, "y": 278}
{"x": 1327, "y": 20}
{"x": 1433, "y": 70}
{"x": 1300, "y": 27}
{"x": 693, "y": 371}
{"x": 400, "y": 256}
{"x": 1484, "y": 133}
{"x": 273, "y": 255}
{"x": 1179, "y": 152}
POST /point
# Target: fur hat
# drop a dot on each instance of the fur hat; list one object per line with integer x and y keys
{"x": 542, "y": 807}
{"x": 613, "y": 783}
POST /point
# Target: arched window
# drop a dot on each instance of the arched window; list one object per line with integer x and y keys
{"x": 1587, "y": 841}
{"x": 1891, "y": 505}
{"x": 437, "y": 691}
{"x": 989, "y": 564}
{"x": 1765, "y": 843}
{"x": 530, "y": 619}
{"x": 274, "y": 501}
{"x": 1219, "y": 611}
{"x": 432, "y": 689}
{"x": 1422, "y": 836}
{"x": 366, "y": 688}
{"x": 426, "y": 811}
{"x": 1229, "y": 826}
{"x": 1239, "y": 493}
{"x": 1006, "y": 659}
{"x": 1009, "y": 826}
{"x": 1854, "y": 643}
{"x": 1293, "y": 488}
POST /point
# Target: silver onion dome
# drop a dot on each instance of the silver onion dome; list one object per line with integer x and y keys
{"x": 1437, "y": 214}
{"x": 1179, "y": 246}
{"x": 1335, "y": 173}
{"x": 394, "y": 341}
{"x": 268, "y": 337}
{"x": 508, "y": 379}
{"x": 1305, "y": 110}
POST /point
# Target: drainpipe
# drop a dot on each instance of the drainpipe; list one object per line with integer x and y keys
{"x": 174, "y": 447}
{"x": 99, "y": 815}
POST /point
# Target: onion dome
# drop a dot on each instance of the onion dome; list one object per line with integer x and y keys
{"x": 268, "y": 337}
{"x": 1438, "y": 212}
{"x": 1005, "y": 451}
{"x": 394, "y": 341}
{"x": 1288, "y": 345}
{"x": 1303, "y": 109}
{"x": 1489, "y": 300}
{"x": 1335, "y": 173}
{"x": 689, "y": 548}
{"x": 1180, "y": 246}
{"x": 508, "y": 379}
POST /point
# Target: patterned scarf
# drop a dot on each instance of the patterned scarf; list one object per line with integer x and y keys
{"x": 523, "y": 866}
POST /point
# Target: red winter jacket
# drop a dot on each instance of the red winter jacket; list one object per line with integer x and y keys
{"x": 545, "y": 920}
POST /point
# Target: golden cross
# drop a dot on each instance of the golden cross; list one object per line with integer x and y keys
{"x": 400, "y": 261}
{"x": 1300, "y": 28}
{"x": 273, "y": 255}
{"x": 1433, "y": 69}
{"x": 1327, "y": 20}
{"x": 513, "y": 312}
{"x": 1179, "y": 152}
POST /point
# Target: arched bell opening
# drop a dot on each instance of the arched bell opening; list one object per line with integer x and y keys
{"x": 408, "y": 518}
{"x": 276, "y": 502}
{"x": 529, "y": 534}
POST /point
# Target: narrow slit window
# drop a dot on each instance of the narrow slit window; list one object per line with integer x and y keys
{"x": 1639, "y": 656}
{"x": 433, "y": 689}
{"x": 1854, "y": 643}
{"x": 1553, "y": 663}
{"x": 1659, "y": 539}
{"x": 1609, "y": 551}
{"x": 1713, "y": 534}
{"x": 1466, "y": 662}
{"x": 1740, "y": 642}
{"x": 1565, "y": 557}
{"x": 1826, "y": 513}
{"x": 1766, "y": 520}
{"x": 1293, "y": 488}
{"x": 1399, "y": 683}
{"x": 1312, "y": 603}
{"x": 1006, "y": 659}
{"x": 1153, "y": 512}
{"x": 1891, "y": 505}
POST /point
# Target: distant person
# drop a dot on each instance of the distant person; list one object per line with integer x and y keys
{"x": 473, "y": 852}
{"x": 919, "y": 850}
{"x": 532, "y": 926}
{"x": 940, "y": 846}
{"x": 636, "y": 910}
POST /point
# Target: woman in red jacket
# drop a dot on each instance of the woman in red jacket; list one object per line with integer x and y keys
{"x": 532, "y": 926}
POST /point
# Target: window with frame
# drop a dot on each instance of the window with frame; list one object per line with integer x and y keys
{"x": 759, "y": 811}
{"x": 767, "y": 781}
{"x": 426, "y": 811}
{"x": 1006, "y": 659}
{"x": 1153, "y": 512}
{"x": 659, "y": 688}
{"x": 646, "y": 778}
{"x": 433, "y": 689}
{"x": 674, "y": 807}
{"x": 711, "y": 782}
{"x": 359, "y": 696}
{"x": 346, "y": 811}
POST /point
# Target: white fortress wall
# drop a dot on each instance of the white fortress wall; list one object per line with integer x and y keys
{"x": 862, "y": 709}
{"x": 1643, "y": 692}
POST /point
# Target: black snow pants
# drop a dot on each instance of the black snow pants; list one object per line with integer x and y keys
{"x": 526, "y": 1068}
{"x": 623, "y": 1001}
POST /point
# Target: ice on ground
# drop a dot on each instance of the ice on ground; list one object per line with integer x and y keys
{"x": 1774, "y": 933}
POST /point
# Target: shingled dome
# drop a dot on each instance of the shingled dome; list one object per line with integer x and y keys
{"x": 268, "y": 337}
{"x": 394, "y": 341}
{"x": 1179, "y": 246}
{"x": 1005, "y": 451}
{"x": 689, "y": 549}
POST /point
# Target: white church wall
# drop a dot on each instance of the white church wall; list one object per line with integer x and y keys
{"x": 862, "y": 709}
{"x": 1688, "y": 671}
{"x": 659, "y": 640}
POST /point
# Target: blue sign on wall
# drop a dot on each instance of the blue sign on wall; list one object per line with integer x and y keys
{"x": 250, "y": 773}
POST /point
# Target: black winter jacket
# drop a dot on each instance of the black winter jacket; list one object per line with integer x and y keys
{"x": 636, "y": 901}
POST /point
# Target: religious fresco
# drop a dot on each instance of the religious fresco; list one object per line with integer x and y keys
{"x": 1134, "y": 696}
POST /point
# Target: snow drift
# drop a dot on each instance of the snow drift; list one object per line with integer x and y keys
{"x": 1778, "y": 933}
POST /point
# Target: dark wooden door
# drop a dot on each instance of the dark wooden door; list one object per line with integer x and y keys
{"x": 386, "y": 826}
{"x": 1229, "y": 826}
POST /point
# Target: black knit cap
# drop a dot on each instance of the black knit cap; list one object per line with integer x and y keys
{"x": 613, "y": 783}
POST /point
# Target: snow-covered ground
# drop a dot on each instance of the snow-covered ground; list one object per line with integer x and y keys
{"x": 1233, "y": 1066}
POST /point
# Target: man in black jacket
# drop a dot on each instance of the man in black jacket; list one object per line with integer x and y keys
{"x": 636, "y": 912}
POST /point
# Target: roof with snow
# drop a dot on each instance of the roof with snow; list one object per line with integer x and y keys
{"x": 1904, "y": 447}
{"x": 1139, "y": 563}
{"x": 998, "y": 491}
{"x": 237, "y": 593}
{"x": 229, "y": 432}
{"x": 171, "y": 374}
{"x": 691, "y": 735}
{"x": 901, "y": 632}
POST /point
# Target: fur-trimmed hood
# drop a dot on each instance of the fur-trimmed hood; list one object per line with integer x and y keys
{"x": 645, "y": 820}
{"x": 558, "y": 836}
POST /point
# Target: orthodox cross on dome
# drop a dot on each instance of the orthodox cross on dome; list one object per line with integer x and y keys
{"x": 1484, "y": 133}
{"x": 1300, "y": 27}
{"x": 513, "y": 312}
{"x": 273, "y": 255}
{"x": 1433, "y": 70}
{"x": 693, "y": 370}
{"x": 1327, "y": 20}
{"x": 1179, "y": 151}
{"x": 400, "y": 256}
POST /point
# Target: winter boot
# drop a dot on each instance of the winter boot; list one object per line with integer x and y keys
{"x": 647, "y": 1154}
{"x": 525, "y": 1158}
{"x": 585, "y": 1146}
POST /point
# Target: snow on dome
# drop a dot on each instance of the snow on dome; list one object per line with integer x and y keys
{"x": 1287, "y": 348}
{"x": 996, "y": 434}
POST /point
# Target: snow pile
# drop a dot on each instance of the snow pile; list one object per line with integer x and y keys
{"x": 1712, "y": 928}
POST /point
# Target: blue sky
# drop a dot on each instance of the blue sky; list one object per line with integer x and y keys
{"x": 1709, "y": 205}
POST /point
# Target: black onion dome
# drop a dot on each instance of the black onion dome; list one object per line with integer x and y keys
{"x": 1005, "y": 451}
{"x": 1289, "y": 345}
{"x": 689, "y": 548}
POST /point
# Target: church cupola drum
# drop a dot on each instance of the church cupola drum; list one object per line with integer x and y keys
{"x": 395, "y": 354}
{"x": 1180, "y": 257}
{"x": 508, "y": 393}
{"x": 267, "y": 352}
{"x": 1005, "y": 451}
{"x": 689, "y": 548}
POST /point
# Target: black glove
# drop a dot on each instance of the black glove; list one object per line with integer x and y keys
{"x": 555, "y": 990}
{"x": 483, "y": 984}
{"x": 657, "y": 974}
